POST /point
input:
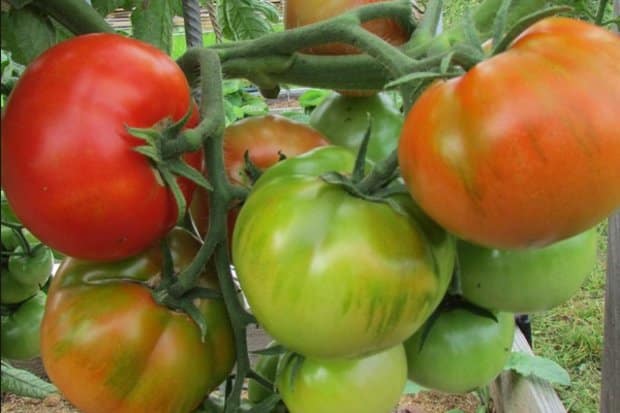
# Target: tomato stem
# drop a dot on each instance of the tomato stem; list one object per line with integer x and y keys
{"x": 76, "y": 15}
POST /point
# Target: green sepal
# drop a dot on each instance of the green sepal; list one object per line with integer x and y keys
{"x": 171, "y": 182}
{"x": 501, "y": 21}
{"x": 421, "y": 76}
{"x": 250, "y": 169}
{"x": 274, "y": 350}
{"x": 202, "y": 292}
{"x": 180, "y": 168}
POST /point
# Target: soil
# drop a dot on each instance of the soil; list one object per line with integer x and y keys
{"x": 426, "y": 402}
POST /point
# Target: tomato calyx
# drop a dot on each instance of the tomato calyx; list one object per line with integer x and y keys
{"x": 168, "y": 166}
{"x": 376, "y": 186}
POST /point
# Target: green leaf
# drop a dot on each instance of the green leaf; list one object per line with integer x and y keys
{"x": 255, "y": 110}
{"x": 246, "y": 19}
{"x": 412, "y": 388}
{"x": 152, "y": 23}
{"x": 26, "y": 33}
{"x": 24, "y": 383}
{"x": 529, "y": 365}
{"x": 231, "y": 86}
{"x": 313, "y": 97}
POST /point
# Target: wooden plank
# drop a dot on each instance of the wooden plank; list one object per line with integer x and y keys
{"x": 610, "y": 389}
{"x": 513, "y": 393}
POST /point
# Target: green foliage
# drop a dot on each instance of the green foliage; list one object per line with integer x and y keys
{"x": 11, "y": 71}
{"x": 24, "y": 383}
{"x": 246, "y": 19}
{"x": 26, "y": 33}
{"x": 152, "y": 22}
{"x": 239, "y": 103}
{"x": 529, "y": 365}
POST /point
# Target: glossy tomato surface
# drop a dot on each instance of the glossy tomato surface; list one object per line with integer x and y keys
{"x": 371, "y": 384}
{"x": 303, "y": 12}
{"x": 526, "y": 281}
{"x": 68, "y": 165}
{"x": 109, "y": 347}
{"x": 523, "y": 150}
{"x": 462, "y": 351}
{"x": 265, "y": 138}
{"x": 328, "y": 274}
{"x": 345, "y": 119}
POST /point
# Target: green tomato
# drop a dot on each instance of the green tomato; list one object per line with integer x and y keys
{"x": 525, "y": 281}
{"x": 331, "y": 275}
{"x": 344, "y": 121}
{"x": 461, "y": 352}
{"x": 34, "y": 269}
{"x": 25, "y": 274}
{"x": 19, "y": 331}
{"x": 371, "y": 384}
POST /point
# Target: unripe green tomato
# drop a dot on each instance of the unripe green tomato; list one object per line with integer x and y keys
{"x": 462, "y": 351}
{"x": 331, "y": 275}
{"x": 19, "y": 332}
{"x": 34, "y": 269}
{"x": 526, "y": 281}
{"x": 371, "y": 384}
{"x": 345, "y": 119}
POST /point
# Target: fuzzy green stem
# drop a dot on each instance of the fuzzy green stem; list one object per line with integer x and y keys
{"x": 76, "y": 15}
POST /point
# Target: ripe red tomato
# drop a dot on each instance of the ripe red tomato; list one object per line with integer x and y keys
{"x": 524, "y": 149}
{"x": 109, "y": 347}
{"x": 68, "y": 165}
{"x": 265, "y": 138}
{"x": 303, "y": 12}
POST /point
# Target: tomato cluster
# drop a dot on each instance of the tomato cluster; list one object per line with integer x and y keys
{"x": 363, "y": 278}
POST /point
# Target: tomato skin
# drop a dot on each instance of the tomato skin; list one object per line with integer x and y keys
{"x": 299, "y": 13}
{"x": 306, "y": 251}
{"x": 344, "y": 121}
{"x": 19, "y": 332}
{"x": 526, "y": 281}
{"x": 108, "y": 346}
{"x": 463, "y": 351}
{"x": 523, "y": 150}
{"x": 371, "y": 384}
{"x": 264, "y": 137}
{"x": 68, "y": 165}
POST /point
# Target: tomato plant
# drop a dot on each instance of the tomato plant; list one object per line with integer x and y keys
{"x": 303, "y": 12}
{"x": 345, "y": 119}
{"x": 461, "y": 351}
{"x": 108, "y": 346}
{"x": 19, "y": 332}
{"x": 369, "y": 384}
{"x": 525, "y": 281}
{"x": 307, "y": 251}
{"x": 523, "y": 149}
{"x": 68, "y": 165}
{"x": 265, "y": 138}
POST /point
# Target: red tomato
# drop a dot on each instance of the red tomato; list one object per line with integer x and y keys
{"x": 265, "y": 137}
{"x": 524, "y": 149}
{"x": 68, "y": 165}
{"x": 303, "y": 12}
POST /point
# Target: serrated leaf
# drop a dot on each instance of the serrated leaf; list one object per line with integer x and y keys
{"x": 24, "y": 383}
{"x": 152, "y": 23}
{"x": 26, "y": 34}
{"x": 245, "y": 19}
{"x": 529, "y": 365}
